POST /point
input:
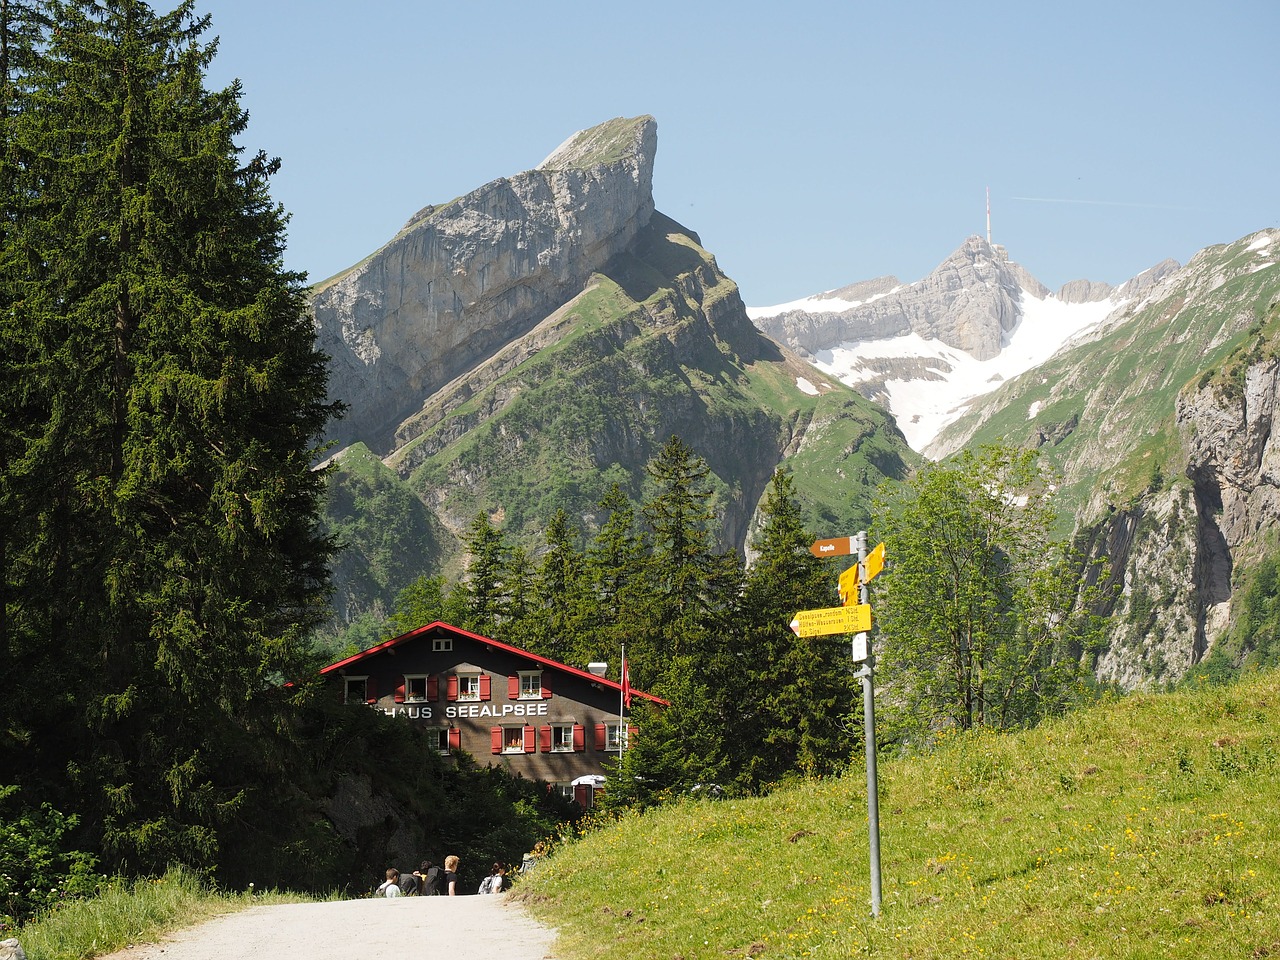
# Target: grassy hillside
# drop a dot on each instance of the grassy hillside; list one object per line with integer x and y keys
{"x": 1144, "y": 827}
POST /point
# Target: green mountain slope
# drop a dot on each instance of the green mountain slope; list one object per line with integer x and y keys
{"x": 1124, "y": 420}
{"x": 658, "y": 343}
{"x": 1144, "y": 827}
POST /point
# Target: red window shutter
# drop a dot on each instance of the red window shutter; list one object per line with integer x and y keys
{"x": 433, "y": 687}
{"x": 455, "y": 738}
{"x": 545, "y": 734}
{"x": 632, "y": 733}
{"x": 530, "y": 740}
{"x": 599, "y": 736}
{"x": 546, "y": 690}
{"x": 370, "y": 691}
{"x": 513, "y": 688}
{"x": 484, "y": 686}
{"x": 400, "y": 694}
{"x": 496, "y": 733}
{"x": 582, "y": 793}
{"x": 579, "y": 738}
{"x": 452, "y": 687}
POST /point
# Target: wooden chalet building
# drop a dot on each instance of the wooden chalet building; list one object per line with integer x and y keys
{"x": 536, "y": 717}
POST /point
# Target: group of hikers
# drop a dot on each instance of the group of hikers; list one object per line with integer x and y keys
{"x": 430, "y": 880}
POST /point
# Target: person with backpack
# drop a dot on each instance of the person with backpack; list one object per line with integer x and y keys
{"x": 495, "y": 881}
{"x": 430, "y": 878}
{"x": 410, "y": 884}
{"x": 391, "y": 886}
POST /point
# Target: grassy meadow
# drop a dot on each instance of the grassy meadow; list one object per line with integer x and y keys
{"x": 1146, "y": 826}
{"x": 125, "y": 913}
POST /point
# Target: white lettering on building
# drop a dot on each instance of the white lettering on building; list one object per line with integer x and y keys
{"x": 413, "y": 713}
{"x": 498, "y": 710}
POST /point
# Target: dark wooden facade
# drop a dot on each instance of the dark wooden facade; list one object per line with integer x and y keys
{"x": 536, "y": 717}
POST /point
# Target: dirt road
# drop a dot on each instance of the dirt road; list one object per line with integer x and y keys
{"x": 460, "y": 928}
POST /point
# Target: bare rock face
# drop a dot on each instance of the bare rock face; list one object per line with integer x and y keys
{"x": 1171, "y": 613}
{"x": 1155, "y": 634}
{"x": 463, "y": 279}
{"x": 1084, "y": 291}
{"x": 1232, "y": 436}
{"x": 1144, "y": 283}
{"x": 969, "y": 302}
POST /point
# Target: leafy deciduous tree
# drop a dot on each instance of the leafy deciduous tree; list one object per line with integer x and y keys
{"x": 983, "y": 614}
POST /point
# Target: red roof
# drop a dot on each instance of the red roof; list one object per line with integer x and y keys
{"x": 442, "y": 627}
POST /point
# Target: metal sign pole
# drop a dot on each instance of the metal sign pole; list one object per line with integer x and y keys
{"x": 867, "y": 673}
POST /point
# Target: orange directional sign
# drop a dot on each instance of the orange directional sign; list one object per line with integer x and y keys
{"x": 835, "y": 547}
{"x": 828, "y": 620}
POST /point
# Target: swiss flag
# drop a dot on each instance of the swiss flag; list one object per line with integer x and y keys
{"x": 626, "y": 683}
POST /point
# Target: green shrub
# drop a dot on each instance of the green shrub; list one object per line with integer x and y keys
{"x": 37, "y": 868}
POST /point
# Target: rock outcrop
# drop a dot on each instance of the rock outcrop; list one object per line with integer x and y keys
{"x": 1160, "y": 427}
{"x": 1171, "y": 612}
{"x": 463, "y": 279}
{"x": 969, "y": 302}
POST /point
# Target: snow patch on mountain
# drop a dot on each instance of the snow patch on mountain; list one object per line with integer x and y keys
{"x": 819, "y": 303}
{"x": 925, "y": 403}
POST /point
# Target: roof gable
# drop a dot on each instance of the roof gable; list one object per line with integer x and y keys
{"x": 440, "y": 628}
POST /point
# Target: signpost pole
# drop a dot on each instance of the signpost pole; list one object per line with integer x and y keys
{"x": 867, "y": 673}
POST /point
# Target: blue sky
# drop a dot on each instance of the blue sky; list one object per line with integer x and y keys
{"x": 809, "y": 144}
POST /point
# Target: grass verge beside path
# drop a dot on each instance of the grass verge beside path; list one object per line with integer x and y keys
{"x": 1143, "y": 827}
{"x": 126, "y": 913}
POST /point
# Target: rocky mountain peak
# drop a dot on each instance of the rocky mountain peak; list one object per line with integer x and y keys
{"x": 465, "y": 278}
{"x": 631, "y": 141}
{"x": 970, "y": 302}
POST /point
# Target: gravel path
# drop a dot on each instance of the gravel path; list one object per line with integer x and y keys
{"x": 461, "y": 928}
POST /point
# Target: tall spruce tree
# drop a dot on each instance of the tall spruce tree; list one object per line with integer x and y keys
{"x": 680, "y": 516}
{"x": 616, "y": 572}
{"x": 557, "y": 619}
{"x": 19, "y": 40}
{"x": 486, "y": 585}
{"x": 798, "y": 719}
{"x": 170, "y": 489}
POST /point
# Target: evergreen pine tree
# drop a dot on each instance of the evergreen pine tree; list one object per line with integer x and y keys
{"x": 616, "y": 572}
{"x": 171, "y": 486}
{"x": 679, "y": 516}
{"x": 486, "y": 580}
{"x": 559, "y": 610}
{"x": 799, "y": 720}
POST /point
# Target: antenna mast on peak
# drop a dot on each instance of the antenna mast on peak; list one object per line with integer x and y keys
{"x": 988, "y": 216}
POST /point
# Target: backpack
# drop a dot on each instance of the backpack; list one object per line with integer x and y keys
{"x": 432, "y": 881}
{"x": 408, "y": 884}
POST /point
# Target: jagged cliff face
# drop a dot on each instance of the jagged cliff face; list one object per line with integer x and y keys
{"x": 522, "y": 349}
{"x": 1161, "y": 426}
{"x": 464, "y": 279}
